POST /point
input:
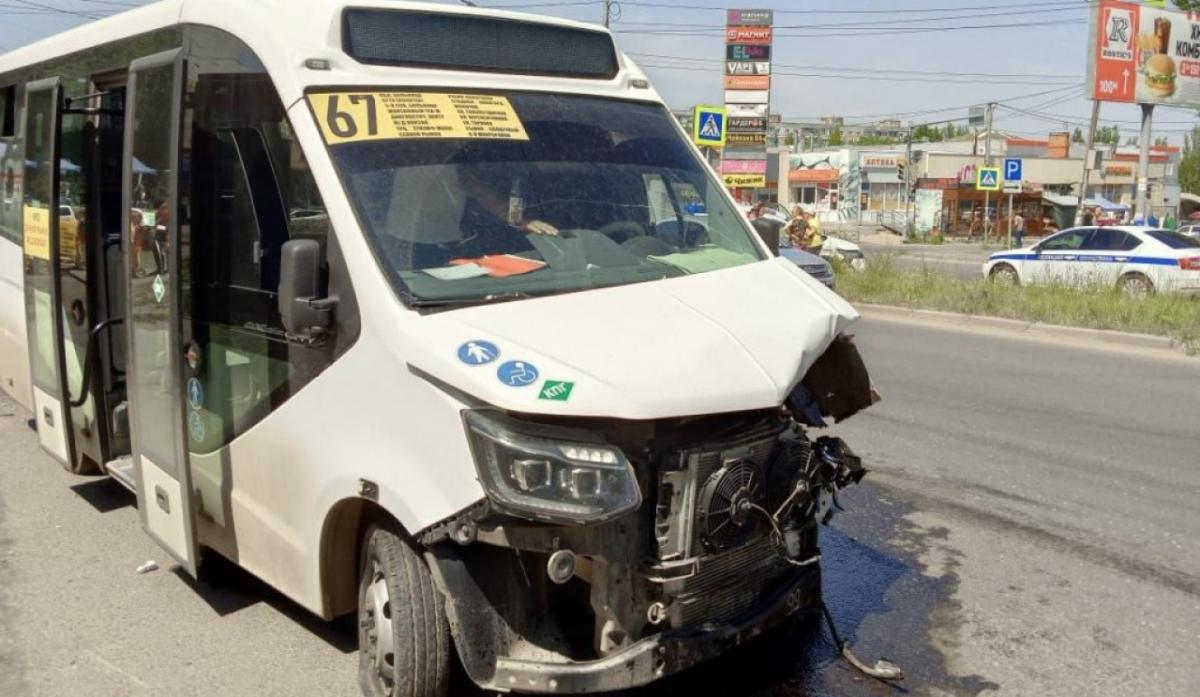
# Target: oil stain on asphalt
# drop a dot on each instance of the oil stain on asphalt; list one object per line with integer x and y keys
{"x": 884, "y": 604}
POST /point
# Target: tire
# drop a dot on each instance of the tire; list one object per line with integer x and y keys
{"x": 1135, "y": 285}
{"x": 403, "y": 636}
{"x": 1005, "y": 274}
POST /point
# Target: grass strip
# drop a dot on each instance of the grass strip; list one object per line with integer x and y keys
{"x": 882, "y": 282}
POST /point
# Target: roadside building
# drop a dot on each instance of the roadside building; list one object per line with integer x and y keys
{"x": 865, "y": 184}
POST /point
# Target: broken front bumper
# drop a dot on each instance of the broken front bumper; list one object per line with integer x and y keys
{"x": 657, "y": 656}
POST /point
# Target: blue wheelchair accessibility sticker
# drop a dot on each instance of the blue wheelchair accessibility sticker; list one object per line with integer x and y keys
{"x": 517, "y": 373}
{"x": 195, "y": 394}
{"x": 478, "y": 352}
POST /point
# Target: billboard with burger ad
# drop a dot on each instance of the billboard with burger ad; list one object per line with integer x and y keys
{"x": 1144, "y": 54}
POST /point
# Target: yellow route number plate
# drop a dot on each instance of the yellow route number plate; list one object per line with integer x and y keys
{"x": 352, "y": 117}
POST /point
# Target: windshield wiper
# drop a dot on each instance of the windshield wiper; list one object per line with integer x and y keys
{"x": 465, "y": 300}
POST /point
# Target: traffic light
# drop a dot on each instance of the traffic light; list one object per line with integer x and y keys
{"x": 901, "y": 174}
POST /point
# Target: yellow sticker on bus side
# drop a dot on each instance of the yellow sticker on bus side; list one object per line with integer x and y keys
{"x": 353, "y": 117}
{"x": 37, "y": 232}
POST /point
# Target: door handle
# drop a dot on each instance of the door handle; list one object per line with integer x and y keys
{"x": 89, "y": 358}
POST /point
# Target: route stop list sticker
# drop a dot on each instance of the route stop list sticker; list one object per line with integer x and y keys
{"x": 352, "y": 117}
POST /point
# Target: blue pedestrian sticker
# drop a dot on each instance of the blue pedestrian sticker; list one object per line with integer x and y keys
{"x": 517, "y": 373}
{"x": 478, "y": 352}
{"x": 196, "y": 426}
{"x": 195, "y": 394}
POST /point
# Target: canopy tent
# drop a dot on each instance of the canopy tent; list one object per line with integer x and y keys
{"x": 1189, "y": 205}
{"x": 1105, "y": 205}
{"x": 1095, "y": 202}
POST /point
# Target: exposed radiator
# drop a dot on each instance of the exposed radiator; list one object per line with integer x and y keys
{"x": 731, "y": 585}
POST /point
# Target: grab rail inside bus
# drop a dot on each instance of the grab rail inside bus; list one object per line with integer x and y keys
{"x": 88, "y": 359}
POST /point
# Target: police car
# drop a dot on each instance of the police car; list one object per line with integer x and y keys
{"x": 1138, "y": 260}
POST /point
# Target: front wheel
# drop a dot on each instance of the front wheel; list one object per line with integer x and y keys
{"x": 403, "y": 637}
{"x": 1006, "y": 275}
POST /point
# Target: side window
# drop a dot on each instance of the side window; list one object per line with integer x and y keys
{"x": 1070, "y": 240}
{"x": 8, "y": 111}
{"x": 1129, "y": 243}
{"x": 1109, "y": 240}
{"x": 250, "y": 192}
{"x": 10, "y": 190}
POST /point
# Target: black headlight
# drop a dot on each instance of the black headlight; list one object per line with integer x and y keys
{"x": 555, "y": 475}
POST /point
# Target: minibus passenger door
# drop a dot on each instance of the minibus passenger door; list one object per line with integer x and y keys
{"x": 154, "y": 372}
{"x": 43, "y": 264}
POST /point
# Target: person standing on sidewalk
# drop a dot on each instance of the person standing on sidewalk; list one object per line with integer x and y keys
{"x": 1018, "y": 222}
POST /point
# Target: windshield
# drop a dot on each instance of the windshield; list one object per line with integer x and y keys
{"x": 597, "y": 193}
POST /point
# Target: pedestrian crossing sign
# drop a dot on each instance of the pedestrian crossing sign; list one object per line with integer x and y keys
{"x": 708, "y": 126}
{"x": 988, "y": 179}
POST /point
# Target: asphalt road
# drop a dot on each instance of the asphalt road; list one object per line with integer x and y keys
{"x": 958, "y": 260}
{"x": 1029, "y": 527}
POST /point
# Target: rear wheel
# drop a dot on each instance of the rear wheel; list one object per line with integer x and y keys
{"x": 1135, "y": 285}
{"x": 1005, "y": 274}
{"x": 403, "y": 637}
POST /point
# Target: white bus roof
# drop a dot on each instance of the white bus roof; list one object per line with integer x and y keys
{"x": 286, "y": 33}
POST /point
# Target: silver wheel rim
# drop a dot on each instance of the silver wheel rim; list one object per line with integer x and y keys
{"x": 1006, "y": 275}
{"x": 377, "y": 623}
{"x": 1136, "y": 287}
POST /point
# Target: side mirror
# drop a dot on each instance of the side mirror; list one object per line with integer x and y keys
{"x": 768, "y": 230}
{"x": 304, "y": 313}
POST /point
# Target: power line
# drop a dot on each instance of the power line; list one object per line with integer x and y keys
{"x": 941, "y": 110}
{"x": 885, "y": 78}
{"x": 932, "y": 73}
{"x": 886, "y": 23}
{"x": 894, "y": 11}
{"x": 59, "y": 10}
{"x": 864, "y": 32}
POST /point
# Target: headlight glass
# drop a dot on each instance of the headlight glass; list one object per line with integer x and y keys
{"x": 557, "y": 476}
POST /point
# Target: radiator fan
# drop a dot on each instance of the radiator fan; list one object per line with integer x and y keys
{"x": 791, "y": 464}
{"x": 726, "y": 514}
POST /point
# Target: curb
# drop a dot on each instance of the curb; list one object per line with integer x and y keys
{"x": 1107, "y": 337}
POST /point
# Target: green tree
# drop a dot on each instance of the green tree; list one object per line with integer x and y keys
{"x": 1161, "y": 140}
{"x": 871, "y": 139}
{"x": 926, "y": 134}
{"x": 1077, "y": 136}
{"x": 1189, "y": 166}
{"x": 835, "y": 138}
{"x": 1108, "y": 135}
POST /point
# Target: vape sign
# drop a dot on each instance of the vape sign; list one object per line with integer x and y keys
{"x": 747, "y": 68}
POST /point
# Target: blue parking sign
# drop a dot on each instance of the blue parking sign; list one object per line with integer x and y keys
{"x": 1012, "y": 170}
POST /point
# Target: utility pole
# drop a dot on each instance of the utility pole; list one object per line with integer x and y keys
{"x": 1142, "y": 200}
{"x": 608, "y": 5}
{"x": 1091, "y": 143}
{"x": 987, "y": 162}
{"x": 908, "y": 226}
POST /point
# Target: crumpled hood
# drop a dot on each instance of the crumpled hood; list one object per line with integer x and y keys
{"x": 729, "y": 340}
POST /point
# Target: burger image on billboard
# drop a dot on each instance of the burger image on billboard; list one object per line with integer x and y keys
{"x": 1160, "y": 75}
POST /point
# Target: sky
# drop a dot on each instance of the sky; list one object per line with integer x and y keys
{"x": 919, "y": 61}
